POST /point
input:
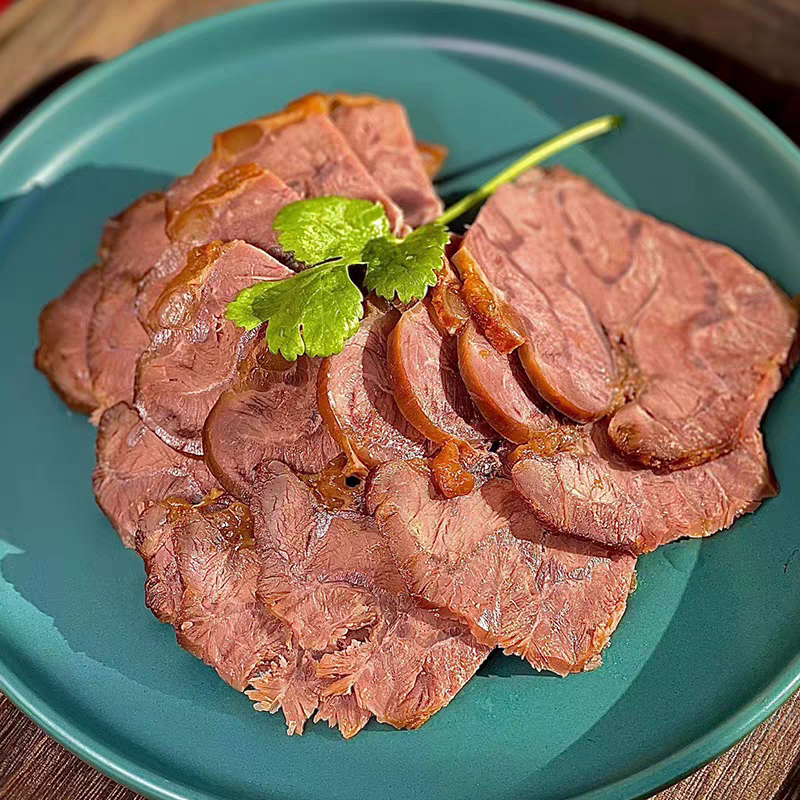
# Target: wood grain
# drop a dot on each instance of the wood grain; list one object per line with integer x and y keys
{"x": 34, "y": 767}
{"x": 17, "y": 15}
{"x": 761, "y": 33}
{"x": 755, "y": 769}
{"x": 760, "y": 767}
{"x": 752, "y": 44}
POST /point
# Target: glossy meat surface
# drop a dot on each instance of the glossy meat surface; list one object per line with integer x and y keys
{"x": 241, "y": 203}
{"x": 302, "y": 146}
{"x": 620, "y": 309}
{"x": 116, "y": 337}
{"x": 195, "y": 349}
{"x": 500, "y": 389}
{"x": 269, "y": 412}
{"x": 356, "y": 398}
{"x": 584, "y": 488}
{"x": 202, "y": 577}
{"x": 427, "y": 385}
{"x": 380, "y": 134}
{"x": 63, "y": 326}
{"x": 552, "y": 600}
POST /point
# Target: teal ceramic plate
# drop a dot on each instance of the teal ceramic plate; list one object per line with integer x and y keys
{"x": 710, "y": 644}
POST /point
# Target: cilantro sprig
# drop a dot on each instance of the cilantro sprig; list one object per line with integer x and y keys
{"x": 405, "y": 267}
{"x": 318, "y": 310}
{"x": 323, "y": 228}
{"x": 314, "y": 312}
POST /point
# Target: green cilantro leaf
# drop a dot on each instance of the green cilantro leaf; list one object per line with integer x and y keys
{"x": 322, "y": 228}
{"x": 405, "y": 266}
{"x": 314, "y": 312}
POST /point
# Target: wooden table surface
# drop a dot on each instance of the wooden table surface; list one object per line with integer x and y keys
{"x": 754, "y": 45}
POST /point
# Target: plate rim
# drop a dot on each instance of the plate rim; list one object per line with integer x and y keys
{"x": 640, "y": 784}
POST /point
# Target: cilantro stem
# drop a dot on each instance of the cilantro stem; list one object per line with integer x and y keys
{"x": 573, "y": 136}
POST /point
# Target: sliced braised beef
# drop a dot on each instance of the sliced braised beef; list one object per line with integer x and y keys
{"x": 331, "y": 577}
{"x": 576, "y": 484}
{"x": 427, "y": 386}
{"x": 446, "y": 299}
{"x": 142, "y": 260}
{"x": 195, "y": 349}
{"x": 380, "y": 134}
{"x": 500, "y": 389}
{"x": 269, "y": 412}
{"x": 711, "y": 351}
{"x": 356, "y": 400}
{"x": 302, "y": 146}
{"x": 218, "y": 618}
{"x": 617, "y": 306}
{"x": 343, "y": 712}
{"x": 449, "y": 475}
{"x": 314, "y": 590}
{"x": 135, "y": 469}
{"x": 565, "y": 352}
{"x": 63, "y": 326}
{"x": 155, "y": 543}
{"x": 202, "y": 575}
{"x": 550, "y": 599}
{"x": 449, "y": 314}
{"x": 116, "y": 338}
{"x": 152, "y": 285}
{"x": 240, "y": 204}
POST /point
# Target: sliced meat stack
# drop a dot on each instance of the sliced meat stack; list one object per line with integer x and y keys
{"x": 62, "y": 353}
{"x": 240, "y": 204}
{"x": 497, "y": 385}
{"x": 380, "y": 134}
{"x": 662, "y": 315}
{"x": 677, "y": 339}
{"x": 551, "y": 599}
{"x": 331, "y": 577}
{"x": 577, "y": 484}
{"x": 427, "y": 385}
{"x": 357, "y": 398}
{"x": 195, "y": 350}
{"x": 135, "y": 469}
{"x": 305, "y": 147}
{"x": 269, "y": 412}
{"x": 202, "y": 578}
{"x": 350, "y": 537}
{"x": 116, "y": 337}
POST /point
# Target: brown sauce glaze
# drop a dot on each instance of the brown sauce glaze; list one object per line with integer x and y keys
{"x": 336, "y": 487}
{"x": 449, "y": 476}
{"x": 194, "y": 221}
{"x": 494, "y": 318}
